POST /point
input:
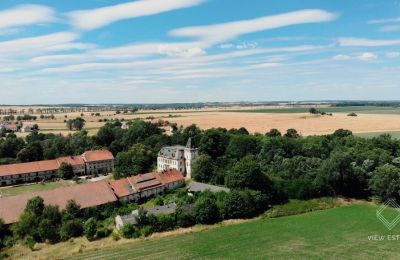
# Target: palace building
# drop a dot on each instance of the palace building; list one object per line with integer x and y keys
{"x": 178, "y": 157}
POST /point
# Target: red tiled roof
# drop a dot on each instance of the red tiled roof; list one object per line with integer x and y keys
{"x": 73, "y": 160}
{"x": 145, "y": 181}
{"x": 99, "y": 155}
{"x": 170, "y": 176}
{"x": 86, "y": 195}
{"x": 122, "y": 187}
{"x": 29, "y": 167}
{"x": 10, "y": 126}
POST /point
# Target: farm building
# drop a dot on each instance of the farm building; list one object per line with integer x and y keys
{"x": 86, "y": 195}
{"x": 91, "y": 162}
{"x": 94, "y": 193}
{"x": 147, "y": 185}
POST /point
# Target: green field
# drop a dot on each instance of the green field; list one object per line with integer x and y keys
{"x": 339, "y": 233}
{"x": 394, "y": 134}
{"x": 15, "y": 190}
{"x": 356, "y": 109}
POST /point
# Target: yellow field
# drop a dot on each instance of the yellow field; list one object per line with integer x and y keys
{"x": 207, "y": 118}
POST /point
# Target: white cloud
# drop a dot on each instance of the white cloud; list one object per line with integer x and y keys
{"x": 211, "y": 34}
{"x": 366, "y": 56}
{"x": 97, "y": 18}
{"x": 26, "y": 15}
{"x": 172, "y": 50}
{"x": 226, "y": 46}
{"x": 380, "y": 21}
{"x": 393, "y": 55}
{"x": 341, "y": 57}
{"x": 362, "y": 42}
{"x": 39, "y": 43}
{"x": 390, "y": 28}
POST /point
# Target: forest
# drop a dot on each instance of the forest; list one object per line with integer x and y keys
{"x": 262, "y": 170}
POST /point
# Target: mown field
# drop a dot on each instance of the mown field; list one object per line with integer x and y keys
{"x": 339, "y": 233}
{"x": 15, "y": 190}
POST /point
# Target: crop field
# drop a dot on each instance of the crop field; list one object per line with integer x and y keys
{"x": 369, "y": 120}
{"x": 339, "y": 233}
{"x": 305, "y": 123}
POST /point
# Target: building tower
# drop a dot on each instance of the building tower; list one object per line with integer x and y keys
{"x": 190, "y": 155}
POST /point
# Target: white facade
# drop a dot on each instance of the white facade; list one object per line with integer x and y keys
{"x": 178, "y": 157}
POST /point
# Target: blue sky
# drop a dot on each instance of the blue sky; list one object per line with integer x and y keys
{"x": 162, "y": 51}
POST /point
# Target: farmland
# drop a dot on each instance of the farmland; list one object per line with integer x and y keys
{"x": 334, "y": 233}
{"x": 370, "y": 119}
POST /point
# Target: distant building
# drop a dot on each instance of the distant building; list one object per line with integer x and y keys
{"x": 27, "y": 128}
{"x": 10, "y": 127}
{"x": 178, "y": 157}
{"x": 168, "y": 209}
{"x": 98, "y": 162}
{"x": 89, "y": 163}
{"x": 147, "y": 185}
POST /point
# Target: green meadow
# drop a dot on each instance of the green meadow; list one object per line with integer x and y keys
{"x": 350, "y": 232}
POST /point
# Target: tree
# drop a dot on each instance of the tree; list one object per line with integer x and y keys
{"x": 247, "y": 174}
{"x": 385, "y": 182}
{"x": 33, "y": 152}
{"x": 71, "y": 228}
{"x": 340, "y": 176}
{"x": 47, "y": 231}
{"x": 130, "y": 231}
{"x": 204, "y": 168}
{"x": 342, "y": 133}
{"x": 90, "y": 228}
{"x": 273, "y": 133}
{"x": 72, "y": 209}
{"x": 138, "y": 159}
{"x": 292, "y": 133}
{"x": 234, "y": 205}
{"x": 66, "y": 171}
{"x": 313, "y": 110}
{"x": 78, "y": 123}
{"x": 206, "y": 210}
{"x": 214, "y": 142}
{"x": 35, "y": 206}
{"x": 242, "y": 145}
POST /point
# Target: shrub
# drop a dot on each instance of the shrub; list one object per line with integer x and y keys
{"x": 115, "y": 236}
{"x": 130, "y": 231}
{"x": 295, "y": 207}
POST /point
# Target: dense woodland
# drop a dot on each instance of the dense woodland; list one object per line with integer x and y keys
{"x": 261, "y": 169}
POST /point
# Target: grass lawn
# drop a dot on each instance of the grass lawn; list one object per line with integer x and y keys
{"x": 338, "y": 233}
{"x": 15, "y": 190}
{"x": 356, "y": 109}
{"x": 394, "y": 134}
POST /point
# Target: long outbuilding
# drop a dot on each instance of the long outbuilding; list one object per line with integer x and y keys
{"x": 94, "y": 193}
{"x": 89, "y": 163}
